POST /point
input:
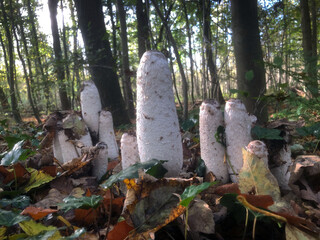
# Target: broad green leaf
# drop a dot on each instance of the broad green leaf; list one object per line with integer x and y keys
{"x": 278, "y": 61}
{"x": 158, "y": 171}
{"x": 254, "y": 174}
{"x": 266, "y": 133}
{"x": 20, "y": 202}
{"x": 2, "y": 232}
{"x": 13, "y": 156}
{"x": 131, "y": 172}
{"x": 40, "y": 231}
{"x": 37, "y": 179}
{"x": 77, "y": 233}
{"x": 9, "y": 218}
{"x": 249, "y": 75}
{"x": 12, "y": 140}
{"x": 85, "y": 202}
{"x": 188, "y": 124}
{"x": 191, "y": 192}
{"x": 310, "y": 130}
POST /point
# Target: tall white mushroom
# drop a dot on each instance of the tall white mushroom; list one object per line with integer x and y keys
{"x": 106, "y": 133}
{"x": 100, "y": 163}
{"x": 63, "y": 150}
{"x": 129, "y": 150}
{"x": 259, "y": 149}
{"x": 90, "y": 106}
{"x": 238, "y": 134}
{"x": 158, "y": 133}
{"x": 212, "y": 152}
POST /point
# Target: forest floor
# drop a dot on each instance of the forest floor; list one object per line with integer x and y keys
{"x": 42, "y": 199}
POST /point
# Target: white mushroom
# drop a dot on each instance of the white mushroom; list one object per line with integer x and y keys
{"x": 106, "y": 134}
{"x": 212, "y": 151}
{"x": 63, "y": 150}
{"x": 90, "y": 106}
{"x": 259, "y": 149}
{"x": 129, "y": 150}
{"x": 158, "y": 133}
{"x": 238, "y": 134}
{"x": 100, "y": 163}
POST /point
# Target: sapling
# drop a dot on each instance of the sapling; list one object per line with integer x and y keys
{"x": 238, "y": 134}
{"x": 106, "y": 133}
{"x": 212, "y": 151}
{"x": 158, "y": 134}
{"x": 129, "y": 150}
{"x": 90, "y": 106}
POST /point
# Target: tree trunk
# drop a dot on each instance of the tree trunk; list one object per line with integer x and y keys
{"x": 114, "y": 29}
{"x": 125, "y": 59}
{"x": 142, "y": 27}
{"x": 27, "y": 78}
{"x": 35, "y": 44}
{"x": 176, "y": 53}
{"x": 207, "y": 38}
{"x": 190, "y": 48}
{"x": 309, "y": 48}
{"x": 65, "y": 104}
{"x": 11, "y": 65}
{"x": 248, "y": 54}
{"x": 99, "y": 56}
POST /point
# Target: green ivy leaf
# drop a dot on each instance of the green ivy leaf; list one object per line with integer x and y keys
{"x": 37, "y": 179}
{"x": 8, "y": 218}
{"x": 131, "y": 172}
{"x": 188, "y": 124}
{"x": 13, "y": 156}
{"x": 20, "y": 202}
{"x": 201, "y": 168}
{"x": 191, "y": 192}
{"x": 249, "y": 75}
{"x": 266, "y": 133}
{"x": 85, "y": 202}
{"x": 77, "y": 233}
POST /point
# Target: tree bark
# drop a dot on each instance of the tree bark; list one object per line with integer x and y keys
{"x": 142, "y": 27}
{"x": 207, "y": 38}
{"x": 309, "y": 48}
{"x": 248, "y": 54}
{"x": 114, "y": 30}
{"x": 35, "y": 44}
{"x": 11, "y": 65}
{"x": 125, "y": 59}
{"x": 99, "y": 56}
{"x": 65, "y": 103}
{"x": 176, "y": 53}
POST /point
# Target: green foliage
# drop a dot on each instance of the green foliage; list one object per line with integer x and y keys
{"x": 85, "y": 202}
{"x": 266, "y": 133}
{"x": 191, "y": 192}
{"x": 9, "y": 218}
{"x": 133, "y": 172}
{"x": 312, "y": 130}
{"x": 13, "y": 156}
{"x": 20, "y": 202}
{"x": 201, "y": 168}
{"x": 220, "y": 136}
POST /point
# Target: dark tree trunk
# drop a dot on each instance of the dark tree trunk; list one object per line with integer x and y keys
{"x": 142, "y": 27}
{"x": 207, "y": 38}
{"x": 309, "y": 48}
{"x": 4, "y": 101}
{"x": 248, "y": 54}
{"x": 101, "y": 63}
{"x": 114, "y": 29}
{"x": 59, "y": 66}
{"x": 26, "y": 75}
{"x": 35, "y": 44}
{"x": 11, "y": 65}
{"x": 125, "y": 59}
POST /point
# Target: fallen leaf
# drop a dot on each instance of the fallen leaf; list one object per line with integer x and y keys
{"x": 256, "y": 176}
{"x": 37, "y": 179}
{"x": 33, "y": 228}
{"x": 17, "y": 172}
{"x": 37, "y": 213}
{"x": 120, "y": 231}
{"x": 85, "y": 216}
{"x": 293, "y": 233}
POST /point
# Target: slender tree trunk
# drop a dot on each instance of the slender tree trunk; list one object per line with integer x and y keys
{"x": 176, "y": 52}
{"x": 190, "y": 48}
{"x": 207, "y": 36}
{"x": 11, "y": 80}
{"x": 66, "y": 52}
{"x": 27, "y": 79}
{"x": 309, "y": 54}
{"x": 65, "y": 104}
{"x": 98, "y": 51}
{"x": 114, "y": 29}
{"x": 142, "y": 27}
{"x": 35, "y": 44}
{"x": 4, "y": 101}
{"x": 248, "y": 54}
{"x": 125, "y": 59}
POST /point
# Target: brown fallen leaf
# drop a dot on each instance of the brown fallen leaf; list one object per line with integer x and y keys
{"x": 37, "y": 213}
{"x": 17, "y": 172}
{"x": 120, "y": 231}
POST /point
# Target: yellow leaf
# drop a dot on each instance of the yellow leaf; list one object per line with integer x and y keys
{"x": 256, "y": 176}
{"x": 37, "y": 179}
{"x": 33, "y": 228}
